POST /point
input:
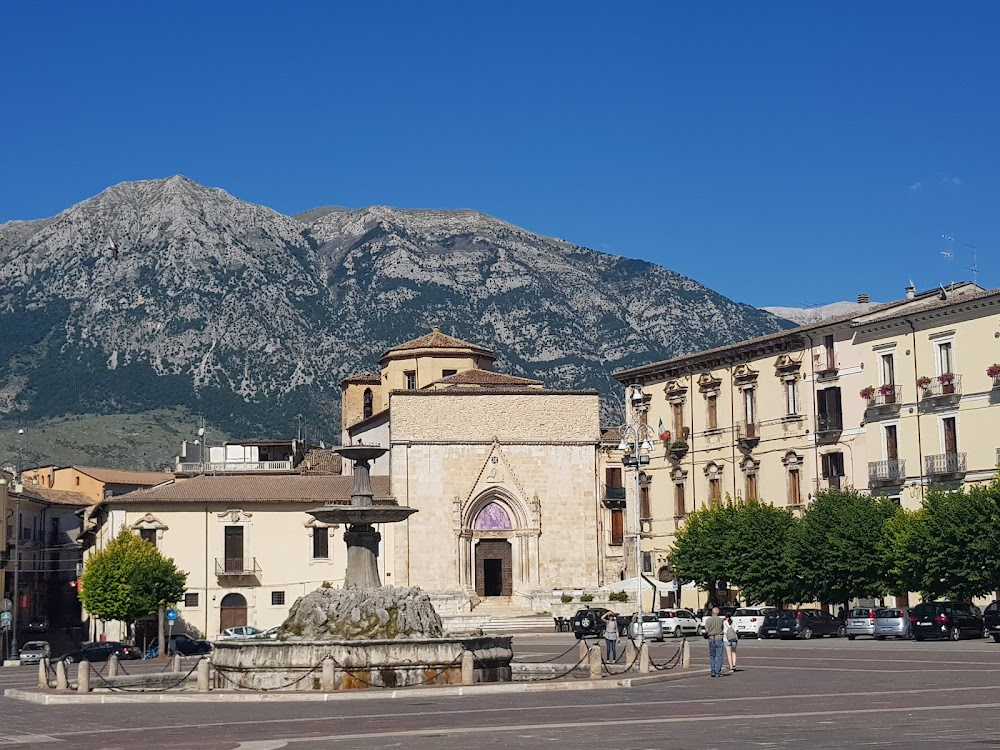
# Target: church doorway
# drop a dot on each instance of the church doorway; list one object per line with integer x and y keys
{"x": 494, "y": 571}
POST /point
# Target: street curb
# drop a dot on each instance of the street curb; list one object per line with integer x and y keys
{"x": 54, "y": 698}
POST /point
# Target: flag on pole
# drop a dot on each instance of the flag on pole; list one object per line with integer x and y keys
{"x": 664, "y": 434}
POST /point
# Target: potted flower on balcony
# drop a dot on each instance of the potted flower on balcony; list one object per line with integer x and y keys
{"x": 947, "y": 381}
{"x": 888, "y": 392}
{"x": 994, "y": 372}
{"x": 678, "y": 449}
{"x": 923, "y": 382}
{"x": 867, "y": 392}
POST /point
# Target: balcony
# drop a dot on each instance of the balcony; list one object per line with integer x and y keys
{"x": 892, "y": 471}
{"x": 245, "y": 567}
{"x": 943, "y": 386}
{"x": 613, "y": 497}
{"x": 829, "y": 427}
{"x": 747, "y": 434}
{"x": 886, "y": 397}
{"x": 235, "y": 467}
{"x": 944, "y": 465}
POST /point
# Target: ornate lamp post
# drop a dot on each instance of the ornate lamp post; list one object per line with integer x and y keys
{"x": 636, "y": 444}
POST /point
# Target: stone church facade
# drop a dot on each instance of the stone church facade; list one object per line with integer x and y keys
{"x": 503, "y": 471}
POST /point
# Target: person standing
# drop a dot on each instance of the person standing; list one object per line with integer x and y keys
{"x": 715, "y": 628}
{"x": 730, "y": 640}
{"x": 611, "y": 635}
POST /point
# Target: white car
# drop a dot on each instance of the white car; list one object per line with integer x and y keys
{"x": 652, "y": 630}
{"x": 747, "y": 620}
{"x": 244, "y": 631}
{"x": 679, "y": 622}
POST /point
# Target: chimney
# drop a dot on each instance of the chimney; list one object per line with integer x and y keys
{"x": 863, "y": 300}
{"x": 911, "y": 291}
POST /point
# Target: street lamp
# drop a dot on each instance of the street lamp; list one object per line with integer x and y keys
{"x": 636, "y": 444}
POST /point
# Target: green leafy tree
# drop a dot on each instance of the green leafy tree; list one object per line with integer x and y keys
{"x": 130, "y": 579}
{"x": 701, "y": 551}
{"x": 904, "y": 539}
{"x": 836, "y": 549}
{"x": 757, "y": 560}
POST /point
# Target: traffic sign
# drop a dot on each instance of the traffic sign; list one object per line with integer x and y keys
{"x": 5, "y": 618}
{"x": 6, "y": 605}
{"x": 171, "y": 614}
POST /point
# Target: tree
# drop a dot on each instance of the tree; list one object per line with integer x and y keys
{"x": 758, "y": 563}
{"x": 701, "y": 547}
{"x": 130, "y": 579}
{"x": 837, "y": 546}
{"x": 904, "y": 539}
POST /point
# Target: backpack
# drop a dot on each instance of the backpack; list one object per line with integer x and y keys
{"x": 731, "y": 634}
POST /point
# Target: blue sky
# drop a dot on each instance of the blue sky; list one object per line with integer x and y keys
{"x": 781, "y": 153}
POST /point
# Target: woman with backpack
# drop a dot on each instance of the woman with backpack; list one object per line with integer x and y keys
{"x": 730, "y": 639}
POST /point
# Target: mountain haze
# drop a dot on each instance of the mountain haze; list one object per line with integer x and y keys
{"x": 166, "y": 293}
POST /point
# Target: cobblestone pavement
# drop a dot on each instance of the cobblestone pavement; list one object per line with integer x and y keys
{"x": 826, "y": 693}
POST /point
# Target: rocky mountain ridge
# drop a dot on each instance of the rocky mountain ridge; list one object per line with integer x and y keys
{"x": 166, "y": 293}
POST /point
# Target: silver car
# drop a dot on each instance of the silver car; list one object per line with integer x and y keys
{"x": 892, "y": 622}
{"x": 860, "y": 621}
{"x": 33, "y": 652}
{"x": 652, "y": 628}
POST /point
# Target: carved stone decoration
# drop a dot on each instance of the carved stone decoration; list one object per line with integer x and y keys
{"x": 745, "y": 375}
{"x": 149, "y": 521}
{"x": 675, "y": 391}
{"x": 709, "y": 383}
{"x": 713, "y": 470}
{"x": 750, "y": 466}
{"x": 792, "y": 460}
{"x": 234, "y": 515}
{"x": 788, "y": 365}
{"x": 679, "y": 475}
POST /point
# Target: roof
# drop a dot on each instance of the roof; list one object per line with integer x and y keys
{"x": 321, "y": 461}
{"x": 61, "y": 497}
{"x": 363, "y": 378}
{"x": 120, "y": 476}
{"x": 899, "y": 308}
{"x": 485, "y": 378}
{"x": 437, "y": 340}
{"x": 245, "y": 489}
{"x": 928, "y": 301}
{"x": 499, "y": 390}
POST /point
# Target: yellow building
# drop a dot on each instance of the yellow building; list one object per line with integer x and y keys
{"x": 94, "y": 482}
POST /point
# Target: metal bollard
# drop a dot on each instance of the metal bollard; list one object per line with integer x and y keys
{"x": 177, "y": 663}
{"x": 595, "y": 662}
{"x": 83, "y": 677}
{"x": 686, "y": 655}
{"x": 61, "y": 682}
{"x": 203, "y": 684}
{"x": 644, "y": 657}
{"x": 328, "y": 677}
{"x": 629, "y": 651}
{"x": 113, "y": 665}
{"x": 468, "y": 668}
{"x": 43, "y": 673}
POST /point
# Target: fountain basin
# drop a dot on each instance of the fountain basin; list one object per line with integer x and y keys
{"x": 390, "y": 663}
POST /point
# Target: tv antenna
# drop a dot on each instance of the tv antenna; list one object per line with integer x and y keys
{"x": 949, "y": 253}
{"x": 975, "y": 266}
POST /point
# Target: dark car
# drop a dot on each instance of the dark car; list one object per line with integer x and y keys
{"x": 589, "y": 622}
{"x": 951, "y": 620}
{"x": 769, "y": 628}
{"x": 805, "y": 623}
{"x": 102, "y": 652}
{"x": 992, "y": 619}
{"x": 185, "y": 645}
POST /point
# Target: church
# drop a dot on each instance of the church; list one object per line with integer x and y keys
{"x": 505, "y": 474}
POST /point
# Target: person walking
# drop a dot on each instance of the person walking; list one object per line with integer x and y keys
{"x": 611, "y": 636}
{"x": 715, "y": 628}
{"x": 730, "y": 640}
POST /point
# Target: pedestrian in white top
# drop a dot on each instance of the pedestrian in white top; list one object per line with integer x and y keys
{"x": 730, "y": 639}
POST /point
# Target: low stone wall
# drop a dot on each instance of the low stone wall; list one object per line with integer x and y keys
{"x": 306, "y": 664}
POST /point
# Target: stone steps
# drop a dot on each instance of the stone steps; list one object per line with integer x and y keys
{"x": 498, "y": 623}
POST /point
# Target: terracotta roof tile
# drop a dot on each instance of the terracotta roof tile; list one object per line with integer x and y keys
{"x": 321, "y": 461}
{"x": 119, "y": 476}
{"x": 437, "y": 340}
{"x": 243, "y": 488}
{"x": 486, "y": 377}
{"x": 60, "y": 497}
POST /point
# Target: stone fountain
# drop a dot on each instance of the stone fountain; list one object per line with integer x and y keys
{"x": 364, "y": 634}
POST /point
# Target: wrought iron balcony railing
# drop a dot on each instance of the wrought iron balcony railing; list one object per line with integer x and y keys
{"x": 943, "y": 385}
{"x": 891, "y": 395}
{"x": 237, "y": 566}
{"x": 944, "y": 464}
{"x": 748, "y": 432}
{"x": 886, "y": 472}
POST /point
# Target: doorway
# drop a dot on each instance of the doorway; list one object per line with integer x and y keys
{"x": 494, "y": 573}
{"x": 233, "y": 610}
{"x": 234, "y": 549}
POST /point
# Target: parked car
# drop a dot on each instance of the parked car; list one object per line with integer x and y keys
{"x": 678, "y": 622}
{"x": 102, "y": 651}
{"x": 805, "y": 623}
{"x": 269, "y": 634}
{"x": 892, "y": 622}
{"x": 589, "y": 622}
{"x": 38, "y": 624}
{"x": 769, "y": 625}
{"x": 185, "y": 645}
{"x": 243, "y": 631}
{"x": 860, "y": 621}
{"x": 951, "y": 620}
{"x": 726, "y": 611}
{"x": 650, "y": 626}
{"x": 747, "y": 621}
{"x": 33, "y": 652}
{"x": 992, "y": 619}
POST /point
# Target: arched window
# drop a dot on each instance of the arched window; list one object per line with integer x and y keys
{"x": 493, "y": 518}
{"x": 368, "y": 403}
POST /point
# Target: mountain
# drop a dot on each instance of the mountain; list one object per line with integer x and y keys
{"x": 804, "y": 315}
{"x": 168, "y": 294}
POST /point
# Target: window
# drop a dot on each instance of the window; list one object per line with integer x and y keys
{"x": 949, "y": 434}
{"x": 891, "y": 442}
{"x": 77, "y": 481}
{"x": 750, "y": 405}
{"x": 191, "y": 599}
{"x": 794, "y": 487}
{"x": 833, "y": 468}
{"x": 714, "y": 490}
{"x": 613, "y": 477}
{"x": 617, "y": 528}
{"x": 277, "y": 598}
{"x": 751, "y": 486}
{"x": 829, "y": 415}
{"x": 448, "y": 373}
{"x": 712, "y": 415}
{"x": 946, "y": 358}
{"x": 368, "y": 403}
{"x": 887, "y": 370}
{"x": 644, "y": 511}
{"x": 677, "y": 410}
{"x": 321, "y": 543}
{"x": 831, "y": 360}
{"x": 791, "y": 397}
{"x": 647, "y": 562}
{"x": 411, "y": 380}
{"x": 149, "y": 535}
{"x": 680, "y": 502}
